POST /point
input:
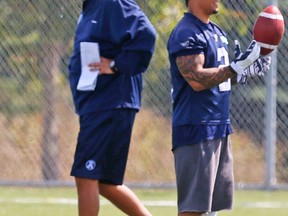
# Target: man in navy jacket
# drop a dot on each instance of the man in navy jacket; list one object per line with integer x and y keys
{"x": 126, "y": 40}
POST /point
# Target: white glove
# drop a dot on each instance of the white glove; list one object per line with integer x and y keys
{"x": 244, "y": 60}
{"x": 259, "y": 68}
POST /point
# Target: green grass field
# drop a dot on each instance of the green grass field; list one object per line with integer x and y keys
{"x": 63, "y": 202}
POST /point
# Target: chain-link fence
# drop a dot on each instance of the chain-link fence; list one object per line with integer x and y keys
{"x": 37, "y": 121}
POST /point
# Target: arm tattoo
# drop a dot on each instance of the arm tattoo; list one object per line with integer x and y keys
{"x": 191, "y": 68}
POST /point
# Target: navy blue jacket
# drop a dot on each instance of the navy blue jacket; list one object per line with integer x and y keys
{"x": 125, "y": 35}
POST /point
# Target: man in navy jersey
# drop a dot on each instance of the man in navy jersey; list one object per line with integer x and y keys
{"x": 126, "y": 40}
{"x": 201, "y": 83}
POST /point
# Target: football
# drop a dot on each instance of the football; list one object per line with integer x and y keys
{"x": 268, "y": 29}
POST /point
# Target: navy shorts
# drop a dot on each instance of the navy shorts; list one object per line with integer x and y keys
{"x": 103, "y": 145}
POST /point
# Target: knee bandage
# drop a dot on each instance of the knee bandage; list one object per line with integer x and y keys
{"x": 210, "y": 214}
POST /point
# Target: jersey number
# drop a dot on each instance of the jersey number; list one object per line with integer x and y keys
{"x": 223, "y": 57}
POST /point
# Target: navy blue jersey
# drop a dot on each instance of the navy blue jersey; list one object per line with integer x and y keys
{"x": 207, "y": 110}
{"x": 125, "y": 35}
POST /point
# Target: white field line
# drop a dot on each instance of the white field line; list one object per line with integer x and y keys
{"x": 268, "y": 205}
{"x": 167, "y": 203}
{"x": 70, "y": 201}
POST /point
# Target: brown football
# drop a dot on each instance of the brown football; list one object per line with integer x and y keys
{"x": 268, "y": 29}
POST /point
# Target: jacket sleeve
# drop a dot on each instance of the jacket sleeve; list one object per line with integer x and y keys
{"x": 136, "y": 36}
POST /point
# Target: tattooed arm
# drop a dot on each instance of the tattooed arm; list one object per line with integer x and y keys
{"x": 199, "y": 78}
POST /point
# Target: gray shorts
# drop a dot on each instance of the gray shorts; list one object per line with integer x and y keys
{"x": 204, "y": 176}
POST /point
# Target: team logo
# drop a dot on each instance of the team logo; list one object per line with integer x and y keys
{"x": 90, "y": 165}
{"x": 189, "y": 43}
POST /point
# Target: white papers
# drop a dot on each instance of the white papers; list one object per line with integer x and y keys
{"x": 89, "y": 54}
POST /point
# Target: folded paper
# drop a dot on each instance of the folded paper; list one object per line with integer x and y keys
{"x": 89, "y": 54}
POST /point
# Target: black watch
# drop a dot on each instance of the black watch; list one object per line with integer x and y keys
{"x": 113, "y": 67}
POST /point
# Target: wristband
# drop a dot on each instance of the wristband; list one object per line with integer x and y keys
{"x": 113, "y": 67}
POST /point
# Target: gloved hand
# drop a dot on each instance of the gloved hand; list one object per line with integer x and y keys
{"x": 259, "y": 68}
{"x": 244, "y": 60}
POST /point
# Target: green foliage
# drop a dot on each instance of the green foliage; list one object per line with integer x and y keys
{"x": 16, "y": 99}
{"x": 164, "y": 15}
{"x": 28, "y": 28}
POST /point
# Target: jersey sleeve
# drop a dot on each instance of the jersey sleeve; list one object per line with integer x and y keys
{"x": 186, "y": 42}
{"x": 136, "y": 34}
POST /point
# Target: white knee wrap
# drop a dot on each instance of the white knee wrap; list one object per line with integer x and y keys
{"x": 210, "y": 214}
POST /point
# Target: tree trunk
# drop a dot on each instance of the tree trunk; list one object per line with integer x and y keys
{"x": 50, "y": 136}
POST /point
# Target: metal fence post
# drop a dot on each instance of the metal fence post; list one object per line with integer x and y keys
{"x": 270, "y": 120}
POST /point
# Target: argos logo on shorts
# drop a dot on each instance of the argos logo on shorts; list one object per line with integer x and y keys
{"x": 90, "y": 165}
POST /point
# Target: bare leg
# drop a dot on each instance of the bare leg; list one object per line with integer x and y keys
{"x": 88, "y": 196}
{"x": 122, "y": 197}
